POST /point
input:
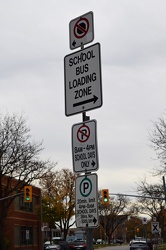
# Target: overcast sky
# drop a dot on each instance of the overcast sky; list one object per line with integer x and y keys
{"x": 34, "y": 39}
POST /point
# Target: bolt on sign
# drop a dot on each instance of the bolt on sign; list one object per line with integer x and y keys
{"x": 86, "y": 204}
{"x": 84, "y": 147}
{"x": 81, "y": 30}
{"x": 83, "y": 87}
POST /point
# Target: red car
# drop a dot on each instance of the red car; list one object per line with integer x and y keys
{"x": 78, "y": 245}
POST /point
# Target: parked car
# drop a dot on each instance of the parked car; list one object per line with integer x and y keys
{"x": 47, "y": 243}
{"x": 78, "y": 245}
{"x": 64, "y": 245}
{"x": 99, "y": 241}
{"x": 118, "y": 241}
{"x": 139, "y": 245}
{"x": 52, "y": 247}
{"x": 137, "y": 239}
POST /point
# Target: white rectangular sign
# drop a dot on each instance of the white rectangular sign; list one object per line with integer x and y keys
{"x": 155, "y": 227}
{"x": 86, "y": 204}
{"x": 83, "y": 87}
{"x": 27, "y": 234}
{"x": 84, "y": 147}
{"x": 81, "y": 30}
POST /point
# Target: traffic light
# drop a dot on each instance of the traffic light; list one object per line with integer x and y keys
{"x": 28, "y": 194}
{"x": 105, "y": 196}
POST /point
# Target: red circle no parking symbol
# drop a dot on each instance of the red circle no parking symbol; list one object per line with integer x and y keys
{"x": 83, "y": 133}
{"x": 81, "y": 28}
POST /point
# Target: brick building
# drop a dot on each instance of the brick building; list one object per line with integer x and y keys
{"x": 23, "y": 225}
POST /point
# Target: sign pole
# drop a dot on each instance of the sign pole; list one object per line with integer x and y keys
{"x": 82, "y": 32}
{"x": 89, "y": 231}
{"x": 89, "y": 236}
{"x": 164, "y": 188}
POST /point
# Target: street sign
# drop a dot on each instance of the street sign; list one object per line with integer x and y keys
{"x": 81, "y": 30}
{"x": 84, "y": 147}
{"x": 155, "y": 227}
{"x": 83, "y": 88}
{"x": 144, "y": 220}
{"x": 86, "y": 204}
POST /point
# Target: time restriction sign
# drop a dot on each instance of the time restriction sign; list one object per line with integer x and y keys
{"x": 84, "y": 147}
{"x": 86, "y": 205}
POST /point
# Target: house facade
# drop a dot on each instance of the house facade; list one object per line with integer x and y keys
{"x": 23, "y": 224}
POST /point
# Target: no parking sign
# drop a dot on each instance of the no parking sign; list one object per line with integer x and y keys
{"x": 84, "y": 147}
{"x": 81, "y": 30}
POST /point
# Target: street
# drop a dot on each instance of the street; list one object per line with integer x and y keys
{"x": 118, "y": 247}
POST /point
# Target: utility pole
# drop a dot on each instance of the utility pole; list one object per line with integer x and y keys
{"x": 164, "y": 188}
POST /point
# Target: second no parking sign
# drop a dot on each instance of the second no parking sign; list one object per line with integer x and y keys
{"x": 84, "y": 147}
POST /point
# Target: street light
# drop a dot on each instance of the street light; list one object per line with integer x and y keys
{"x": 137, "y": 230}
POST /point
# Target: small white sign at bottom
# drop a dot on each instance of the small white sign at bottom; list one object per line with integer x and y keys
{"x": 86, "y": 205}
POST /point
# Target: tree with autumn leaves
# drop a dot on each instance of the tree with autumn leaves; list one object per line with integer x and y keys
{"x": 20, "y": 164}
{"x": 58, "y": 199}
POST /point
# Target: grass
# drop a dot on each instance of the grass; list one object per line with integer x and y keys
{"x": 106, "y": 245}
{"x": 162, "y": 247}
{"x": 100, "y": 245}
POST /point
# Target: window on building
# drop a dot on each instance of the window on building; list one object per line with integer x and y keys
{"x": 26, "y": 235}
{"x": 25, "y": 206}
{"x": 19, "y": 204}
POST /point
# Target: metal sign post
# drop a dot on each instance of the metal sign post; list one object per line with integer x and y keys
{"x": 83, "y": 92}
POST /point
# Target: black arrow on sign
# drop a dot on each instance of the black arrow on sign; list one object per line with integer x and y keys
{"x": 94, "y": 99}
{"x": 74, "y": 43}
{"x": 94, "y": 220}
{"x": 93, "y": 163}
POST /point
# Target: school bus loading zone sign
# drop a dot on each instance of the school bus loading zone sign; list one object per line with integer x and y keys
{"x": 83, "y": 87}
